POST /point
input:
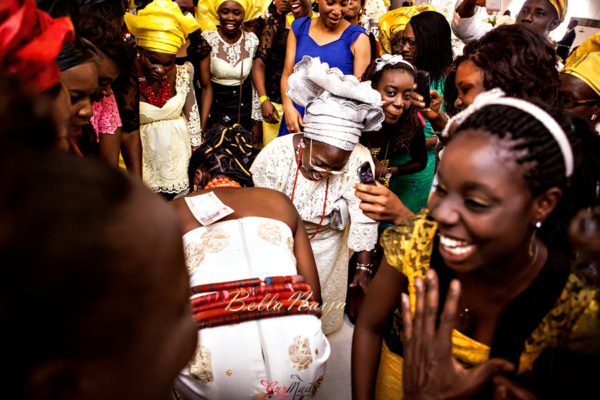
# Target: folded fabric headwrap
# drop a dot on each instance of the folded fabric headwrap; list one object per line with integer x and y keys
{"x": 161, "y": 27}
{"x": 561, "y": 8}
{"x": 338, "y": 106}
{"x": 30, "y": 40}
{"x": 207, "y": 15}
{"x": 395, "y": 21}
{"x": 584, "y": 63}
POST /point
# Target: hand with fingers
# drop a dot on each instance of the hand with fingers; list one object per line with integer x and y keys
{"x": 293, "y": 120}
{"x": 269, "y": 112}
{"x": 380, "y": 203}
{"x": 430, "y": 371}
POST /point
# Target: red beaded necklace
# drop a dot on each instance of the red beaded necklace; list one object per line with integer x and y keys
{"x": 164, "y": 90}
{"x": 326, "y": 191}
{"x": 221, "y": 182}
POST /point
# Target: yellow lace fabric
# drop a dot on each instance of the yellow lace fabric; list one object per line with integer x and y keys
{"x": 572, "y": 323}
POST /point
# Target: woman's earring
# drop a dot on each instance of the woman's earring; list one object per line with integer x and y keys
{"x": 538, "y": 225}
{"x": 594, "y": 117}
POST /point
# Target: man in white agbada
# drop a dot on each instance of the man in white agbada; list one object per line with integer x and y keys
{"x": 317, "y": 170}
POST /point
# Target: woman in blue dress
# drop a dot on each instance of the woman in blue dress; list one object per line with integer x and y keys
{"x": 329, "y": 37}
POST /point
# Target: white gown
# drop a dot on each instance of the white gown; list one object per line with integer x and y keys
{"x": 275, "y": 168}
{"x": 244, "y": 360}
{"x": 168, "y": 134}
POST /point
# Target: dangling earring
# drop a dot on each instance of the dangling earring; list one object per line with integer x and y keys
{"x": 594, "y": 116}
{"x": 538, "y": 225}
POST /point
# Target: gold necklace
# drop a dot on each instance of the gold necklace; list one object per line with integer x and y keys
{"x": 465, "y": 314}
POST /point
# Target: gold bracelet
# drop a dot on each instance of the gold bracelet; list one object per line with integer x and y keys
{"x": 263, "y": 99}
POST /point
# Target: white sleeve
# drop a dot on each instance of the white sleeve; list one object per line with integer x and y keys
{"x": 363, "y": 230}
{"x": 271, "y": 166}
{"x": 469, "y": 29}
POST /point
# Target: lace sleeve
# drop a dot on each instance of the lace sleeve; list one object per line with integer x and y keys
{"x": 256, "y": 109}
{"x": 127, "y": 94}
{"x": 198, "y": 49}
{"x": 363, "y": 230}
{"x": 267, "y": 37}
{"x": 190, "y": 108}
{"x": 271, "y": 166}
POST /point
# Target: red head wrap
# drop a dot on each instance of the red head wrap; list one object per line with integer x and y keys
{"x": 30, "y": 40}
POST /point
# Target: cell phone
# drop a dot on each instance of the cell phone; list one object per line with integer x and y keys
{"x": 365, "y": 174}
{"x": 493, "y": 5}
{"x": 423, "y": 84}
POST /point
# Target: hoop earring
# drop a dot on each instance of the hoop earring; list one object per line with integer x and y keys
{"x": 538, "y": 225}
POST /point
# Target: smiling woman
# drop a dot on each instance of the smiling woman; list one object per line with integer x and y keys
{"x": 169, "y": 120}
{"x": 497, "y": 219}
{"x": 232, "y": 97}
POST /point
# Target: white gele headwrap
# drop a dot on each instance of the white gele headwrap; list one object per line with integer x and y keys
{"x": 496, "y": 97}
{"x": 338, "y": 106}
{"x": 390, "y": 59}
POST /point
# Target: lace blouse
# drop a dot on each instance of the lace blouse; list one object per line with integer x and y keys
{"x": 230, "y": 62}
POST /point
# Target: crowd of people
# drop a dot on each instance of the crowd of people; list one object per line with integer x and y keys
{"x": 206, "y": 188}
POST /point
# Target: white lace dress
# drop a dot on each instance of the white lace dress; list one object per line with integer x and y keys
{"x": 275, "y": 168}
{"x": 283, "y": 355}
{"x": 168, "y": 134}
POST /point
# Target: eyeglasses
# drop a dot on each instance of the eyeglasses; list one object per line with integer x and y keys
{"x": 410, "y": 43}
{"x": 572, "y": 103}
{"x": 319, "y": 169}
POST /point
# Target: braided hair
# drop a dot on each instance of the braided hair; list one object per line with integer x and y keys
{"x": 513, "y": 58}
{"x": 409, "y": 123}
{"x": 535, "y": 146}
{"x": 225, "y": 152}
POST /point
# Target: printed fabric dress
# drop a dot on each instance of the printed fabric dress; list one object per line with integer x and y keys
{"x": 275, "y": 168}
{"x": 558, "y": 310}
{"x": 283, "y": 355}
{"x": 336, "y": 54}
{"x": 168, "y": 134}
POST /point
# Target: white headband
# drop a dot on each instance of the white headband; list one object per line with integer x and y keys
{"x": 496, "y": 97}
{"x": 390, "y": 59}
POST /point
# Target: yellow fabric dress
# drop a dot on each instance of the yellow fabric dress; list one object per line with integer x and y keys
{"x": 573, "y": 322}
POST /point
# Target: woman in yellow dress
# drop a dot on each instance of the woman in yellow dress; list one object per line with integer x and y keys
{"x": 491, "y": 237}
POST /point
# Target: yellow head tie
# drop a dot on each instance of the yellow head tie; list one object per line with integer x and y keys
{"x": 161, "y": 27}
{"x": 395, "y": 21}
{"x": 206, "y": 11}
{"x": 561, "y": 8}
{"x": 585, "y": 61}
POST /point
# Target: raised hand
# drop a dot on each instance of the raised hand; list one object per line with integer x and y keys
{"x": 430, "y": 371}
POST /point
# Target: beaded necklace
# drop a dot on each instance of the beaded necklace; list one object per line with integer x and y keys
{"x": 164, "y": 90}
{"x": 221, "y": 182}
{"x": 294, "y": 191}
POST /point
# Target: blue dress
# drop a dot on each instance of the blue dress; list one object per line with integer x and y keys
{"x": 336, "y": 53}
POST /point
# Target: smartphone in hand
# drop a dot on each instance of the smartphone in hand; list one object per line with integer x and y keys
{"x": 365, "y": 174}
{"x": 423, "y": 84}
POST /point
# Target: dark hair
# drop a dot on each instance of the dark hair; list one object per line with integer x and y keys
{"x": 434, "y": 45}
{"x": 60, "y": 255}
{"x": 73, "y": 54}
{"x": 515, "y": 59}
{"x": 535, "y": 144}
{"x": 409, "y": 123}
{"x": 225, "y": 152}
{"x": 97, "y": 28}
